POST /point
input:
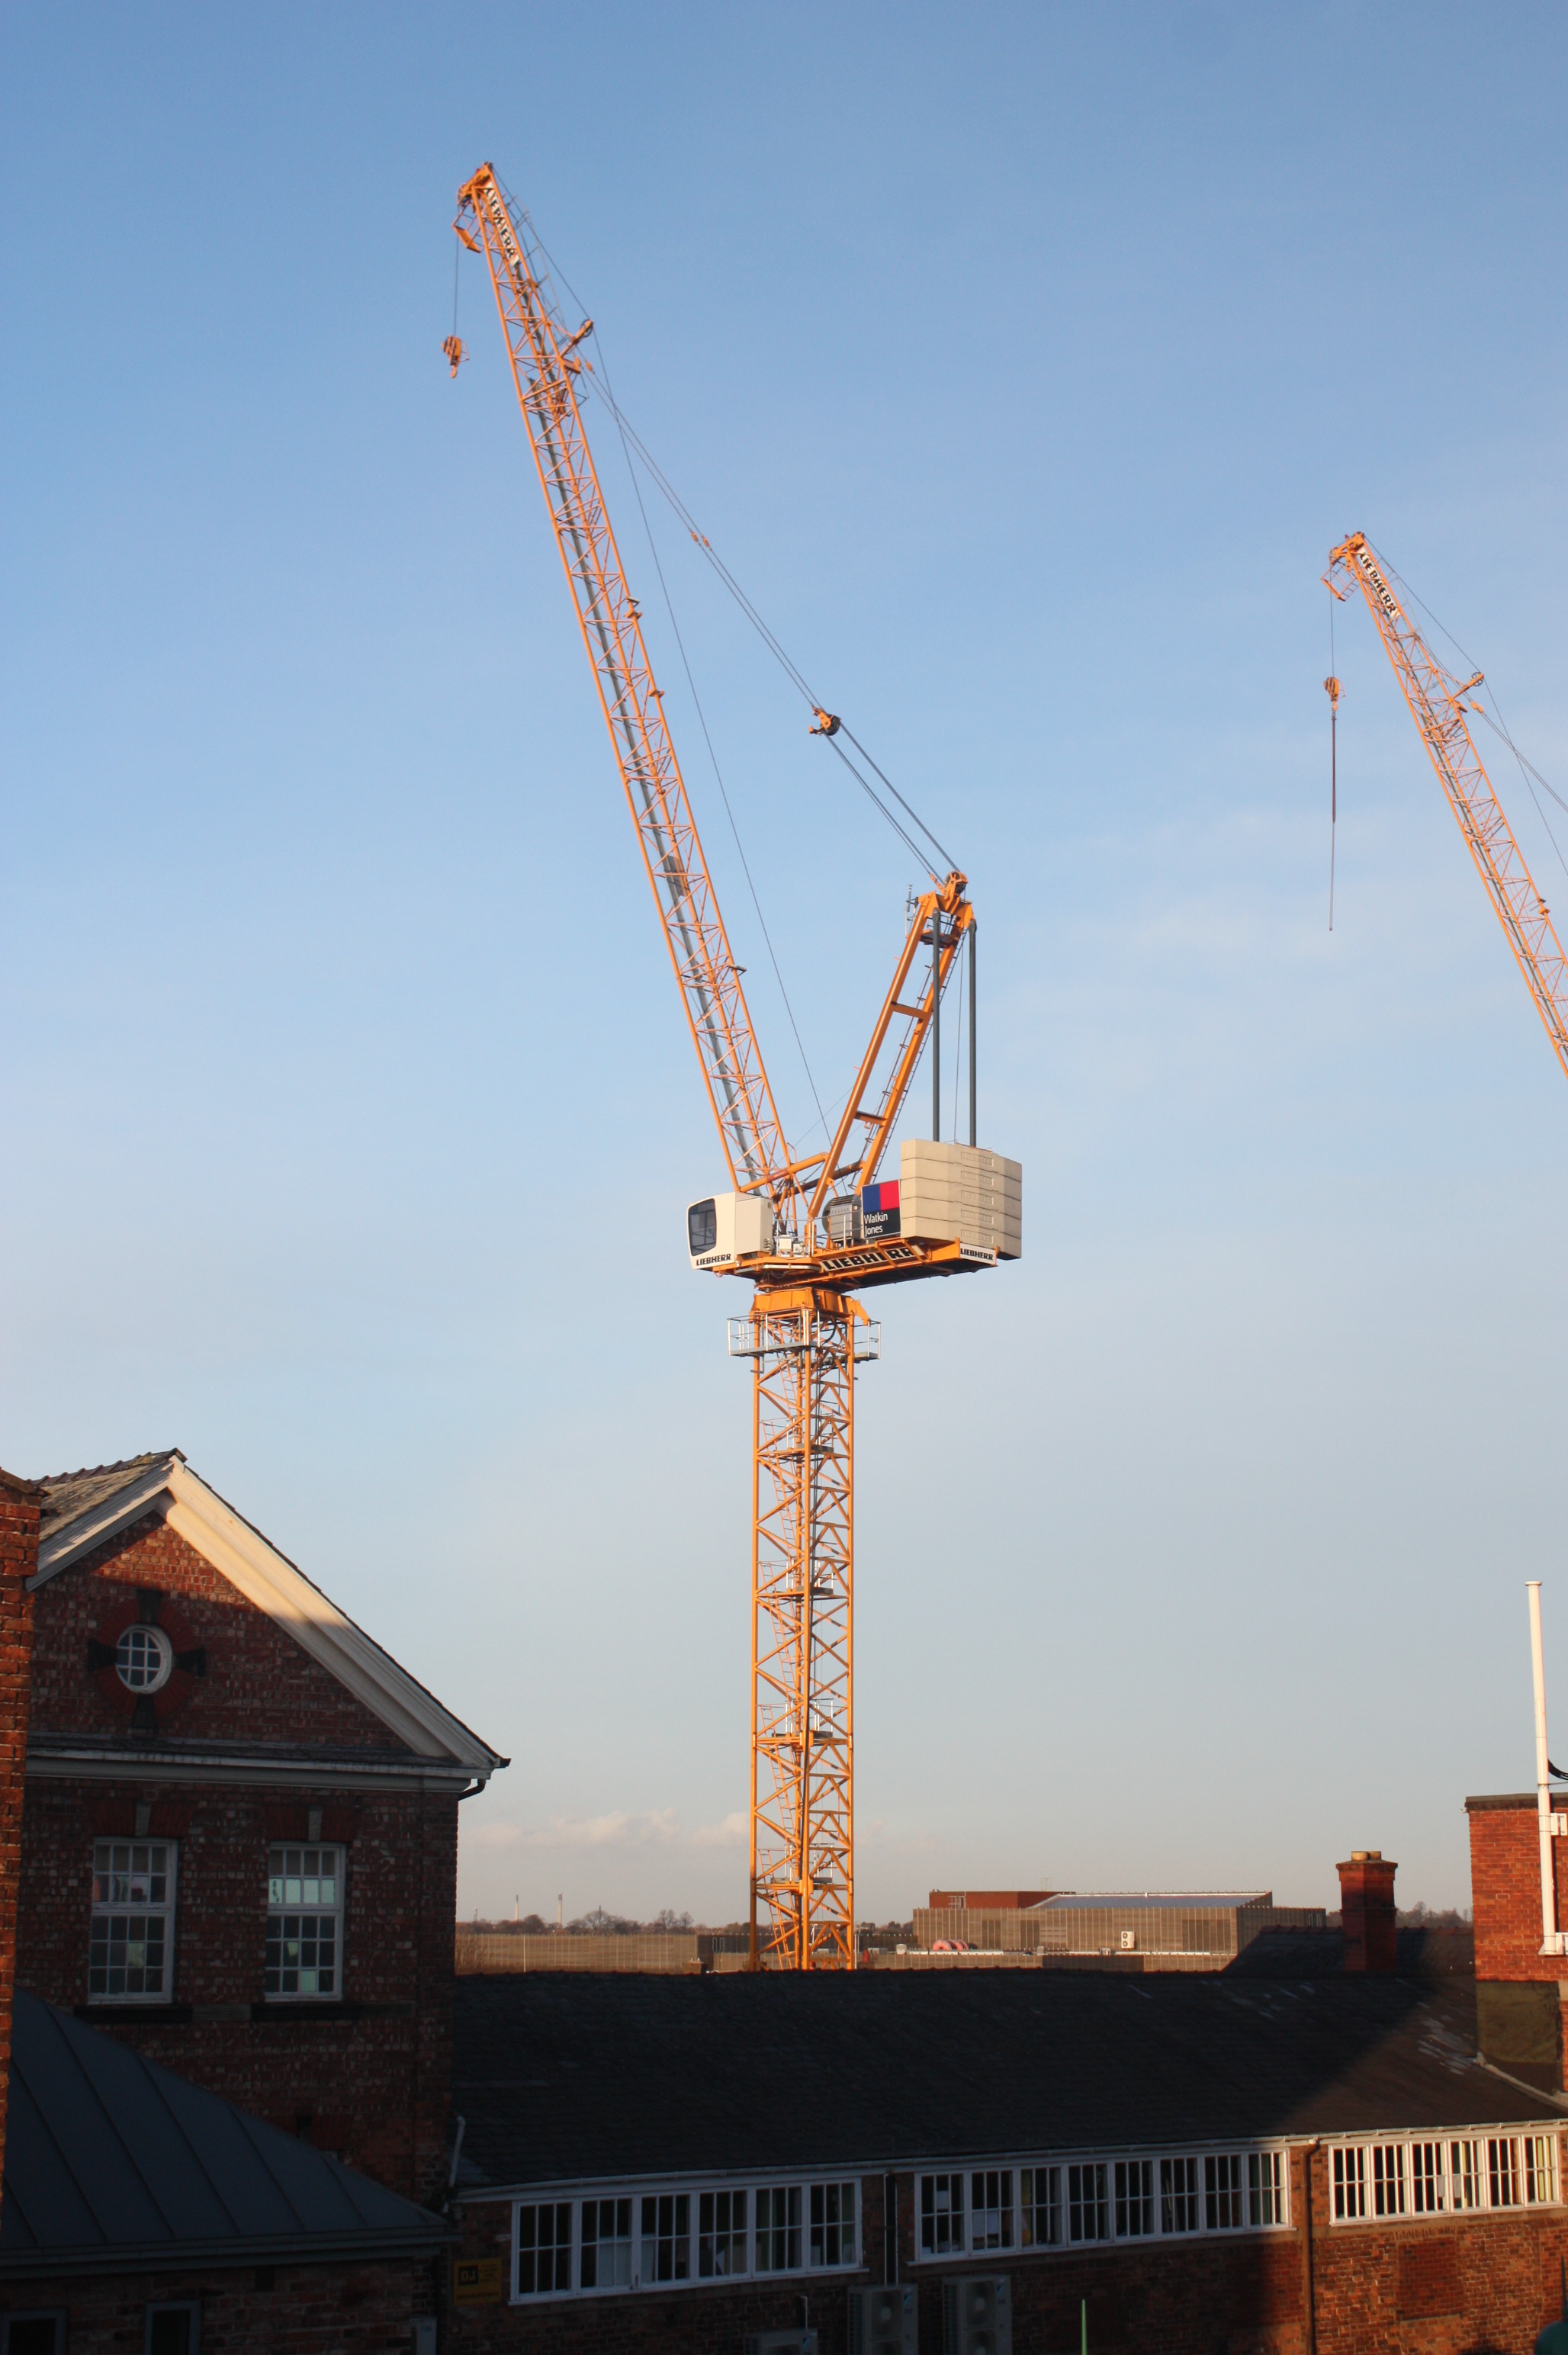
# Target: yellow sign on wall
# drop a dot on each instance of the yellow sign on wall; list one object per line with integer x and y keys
{"x": 476, "y": 2281}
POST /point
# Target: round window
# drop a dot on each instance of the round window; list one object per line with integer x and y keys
{"x": 143, "y": 1656}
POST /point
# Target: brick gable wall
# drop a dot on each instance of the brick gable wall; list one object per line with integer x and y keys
{"x": 259, "y": 1686}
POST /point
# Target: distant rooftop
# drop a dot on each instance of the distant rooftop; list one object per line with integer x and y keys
{"x": 1103, "y": 1900}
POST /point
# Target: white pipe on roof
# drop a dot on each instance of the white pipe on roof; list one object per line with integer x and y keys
{"x": 1551, "y": 1939}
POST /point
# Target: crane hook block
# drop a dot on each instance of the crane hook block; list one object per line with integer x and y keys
{"x": 456, "y": 351}
{"x": 1332, "y": 689}
{"x": 827, "y": 725}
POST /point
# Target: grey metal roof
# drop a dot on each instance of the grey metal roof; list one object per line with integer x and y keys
{"x": 1189, "y": 1901}
{"x": 114, "y": 2164}
{"x": 564, "y": 2077}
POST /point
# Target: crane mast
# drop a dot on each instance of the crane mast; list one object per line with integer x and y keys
{"x": 1437, "y": 706}
{"x": 806, "y": 1332}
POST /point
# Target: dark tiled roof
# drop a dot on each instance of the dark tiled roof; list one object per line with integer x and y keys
{"x": 563, "y": 2076}
{"x": 111, "y": 2161}
{"x": 67, "y": 1495}
{"x": 1320, "y": 1954}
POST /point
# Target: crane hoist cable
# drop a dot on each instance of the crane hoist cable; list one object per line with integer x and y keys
{"x": 707, "y": 739}
{"x": 775, "y": 647}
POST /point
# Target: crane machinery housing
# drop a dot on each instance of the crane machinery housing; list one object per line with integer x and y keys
{"x": 810, "y": 1232}
{"x": 1440, "y": 704}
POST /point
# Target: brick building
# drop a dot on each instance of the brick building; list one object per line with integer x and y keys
{"x": 1520, "y": 1991}
{"x": 1306, "y": 2165}
{"x": 240, "y": 1840}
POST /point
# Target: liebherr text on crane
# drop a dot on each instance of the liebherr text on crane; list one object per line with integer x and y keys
{"x": 808, "y": 1232}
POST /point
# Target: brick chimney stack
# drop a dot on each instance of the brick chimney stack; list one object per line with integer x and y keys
{"x": 19, "y": 1503}
{"x": 1366, "y": 1910}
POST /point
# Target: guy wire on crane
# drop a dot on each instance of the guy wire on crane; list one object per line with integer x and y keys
{"x": 809, "y": 1231}
{"x": 1440, "y": 705}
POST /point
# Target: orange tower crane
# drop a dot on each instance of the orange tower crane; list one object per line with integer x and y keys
{"x": 1438, "y": 706}
{"x": 810, "y": 1233}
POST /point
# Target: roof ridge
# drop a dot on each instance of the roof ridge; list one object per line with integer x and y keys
{"x": 124, "y": 1463}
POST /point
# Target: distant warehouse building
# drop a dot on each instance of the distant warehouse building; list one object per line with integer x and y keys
{"x": 1151, "y": 1930}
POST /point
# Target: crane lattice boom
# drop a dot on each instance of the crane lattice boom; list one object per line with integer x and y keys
{"x": 545, "y": 367}
{"x": 1437, "y": 706}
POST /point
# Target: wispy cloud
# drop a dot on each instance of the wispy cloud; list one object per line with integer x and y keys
{"x": 732, "y": 1833}
{"x": 620, "y": 1828}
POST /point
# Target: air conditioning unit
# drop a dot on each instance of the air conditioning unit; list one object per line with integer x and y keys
{"x": 728, "y": 1227}
{"x": 885, "y": 2321}
{"x": 780, "y": 2342}
{"x": 978, "y": 2315}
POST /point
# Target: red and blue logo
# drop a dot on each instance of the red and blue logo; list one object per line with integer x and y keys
{"x": 880, "y": 1208}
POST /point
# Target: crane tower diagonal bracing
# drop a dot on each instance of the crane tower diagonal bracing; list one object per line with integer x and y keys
{"x": 1437, "y": 702}
{"x": 807, "y": 1234}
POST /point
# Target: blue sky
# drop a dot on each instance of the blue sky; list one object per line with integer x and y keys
{"x": 1024, "y": 364}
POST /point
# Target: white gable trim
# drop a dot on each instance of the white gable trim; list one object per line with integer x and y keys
{"x": 269, "y": 1580}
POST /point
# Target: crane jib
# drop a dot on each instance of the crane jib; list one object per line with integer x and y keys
{"x": 1379, "y": 586}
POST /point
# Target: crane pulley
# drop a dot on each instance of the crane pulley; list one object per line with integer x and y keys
{"x": 808, "y": 1231}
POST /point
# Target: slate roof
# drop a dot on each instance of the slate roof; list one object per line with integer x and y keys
{"x": 68, "y": 1495}
{"x": 586, "y": 2077}
{"x": 114, "y": 2164}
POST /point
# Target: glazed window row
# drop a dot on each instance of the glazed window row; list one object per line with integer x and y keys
{"x": 1443, "y": 2176}
{"x": 131, "y": 1933}
{"x": 647, "y": 2240}
{"x": 1072, "y": 2203}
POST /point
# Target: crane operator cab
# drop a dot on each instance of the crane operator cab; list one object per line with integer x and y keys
{"x": 728, "y": 1227}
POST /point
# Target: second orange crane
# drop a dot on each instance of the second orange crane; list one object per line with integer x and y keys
{"x": 1440, "y": 704}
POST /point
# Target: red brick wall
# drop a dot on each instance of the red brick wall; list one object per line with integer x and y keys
{"x": 1505, "y": 1892}
{"x": 1416, "y": 2288}
{"x": 261, "y": 1686}
{"x": 18, "y": 1561}
{"x": 309, "y": 2310}
{"x": 373, "y": 2078}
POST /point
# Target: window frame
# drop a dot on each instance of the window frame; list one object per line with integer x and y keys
{"x": 1123, "y": 2190}
{"x": 799, "y": 2196}
{"x": 154, "y": 2306}
{"x": 166, "y": 1910}
{"x": 1401, "y": 2179}
{"x": 55, "y": 2314}
{"x": 337, "y": 1912}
